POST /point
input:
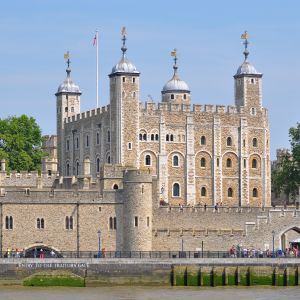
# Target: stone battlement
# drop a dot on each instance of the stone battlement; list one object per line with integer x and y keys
{"x": 88, "y": 114}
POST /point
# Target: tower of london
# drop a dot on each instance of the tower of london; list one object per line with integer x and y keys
{"x": 149, "y": 176}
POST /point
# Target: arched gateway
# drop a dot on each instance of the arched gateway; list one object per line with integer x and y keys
{"x": 42, "y": 251}
{"x": 288, "y": 235}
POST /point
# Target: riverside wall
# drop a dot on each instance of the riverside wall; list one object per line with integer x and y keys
{"x": 163, "y": 272}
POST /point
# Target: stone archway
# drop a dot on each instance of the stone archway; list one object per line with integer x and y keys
{"x": 288, "y": 235}
{"x": 42, "y": 251}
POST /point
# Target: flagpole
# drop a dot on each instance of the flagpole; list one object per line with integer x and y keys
{"x": 97, "y": 70}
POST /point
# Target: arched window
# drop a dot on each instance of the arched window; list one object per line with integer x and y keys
{"x": 110, "y": 223}
{"x": 203, "y": 140}
{"x": 228, "y": 163}
{"x": 184, "y": 96}
{"x": 42, "y": 223}
{"x": 145, "y": 137}
{"x": 254, "y": 163}
{"x": 66, "y": 109}
{"x": 229, "y": 141}
{"x": 254, "y": 142}
{"x": 77, "y": 168}
{"x": 175, "y": 161}
{"x": 140, "y": 137}
{"x": 68, "y": 169}
{"x": 203, "y": 162}
{"x": 176, "y": 190}
{"x": 172, "y": 96}
{"x": 98, "y": 164}
{"x": 255, "y": 193}
{"x": 203, "y": 192}
{"x": 108, "y": 159}
{"x": 115, "y": 187}
{"x": 6, "y": 222}
{"x": 230, "y": 193}
{"x": 133, "y": 95}
{"x": 167, "y": 137}
{"x": 115, "y": 223}
{"x": 171, "y": 137}
{"x": 147, "y": 160}
{"x": 152, "y": 137}
{"x": 38, "y": 223}
{"x": 156, "y": 137}
{"x": 108, "y": 136}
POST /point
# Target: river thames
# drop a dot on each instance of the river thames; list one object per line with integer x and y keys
{"x": 148, "y": 293}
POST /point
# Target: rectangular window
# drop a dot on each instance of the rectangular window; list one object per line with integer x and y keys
{"x": 123, "y": 78}
{"x": 115, "y": 223}
{"x": 148, "y": 221}
{"x": 136, "y": 221}
{"x": 87, "y": 140}
{"x": 98, "y": 138}
{"x": 129, "y": 146}
{"x": 68, "y": 145}
{"x": 77, "y": 143}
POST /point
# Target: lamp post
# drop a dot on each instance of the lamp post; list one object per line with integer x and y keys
{"x": 273, "y": 236}
{"x": 99, "y": 238}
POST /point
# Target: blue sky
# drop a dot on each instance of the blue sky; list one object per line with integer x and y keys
{"x": 36, "y": 33}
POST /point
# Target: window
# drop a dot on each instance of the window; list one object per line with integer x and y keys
{"x": 203, "y": 140}
{"x": 229, "y": 141}
{"x": 87, "y": 140}
{"x": 244, "y": 143}
{"x": 254, "y": 142}
{"x": 230, "y": 193}
{"x": 98, "y": 138}
{"x": 203, "y": 162}
{"x": 123, "y": 78}
{"x": 9, "y": 224}
{"x": 98, "y": 165}
{"x": 254, "y": 193}
{"x": 218, "y": 162}
{"x": 203, "y": 192}
{"x": 115, "y": 187}
{"x": 77, "y": 143}
{"x": 110, "y": 223}
{"x": 253, "y": 111}
{"x": 228, "y": 163}
{"x": 68, "y": 145}
{"x": 108, "y": 159}
{"x": 136, "y": 221}
{"x": 133, "y": 95}
{"x": 167, "y": 137}
{"x": 244, "y": 163}
{"x": 129, "y": 146}
{"x": 184, "y": 96}
{"x": 176, "y": 190}
{"x": 172, "y": 96}
{"x": 171, "y": 137}
{"x": 140, "y": 137}
{"x": 68, "y": 169}
{"x": 254, "y": 163}
{"x": 66, "y": 109}
{"x": 145, "y": 137}
{"x": 69, "y": 223}
{"x": 72, "y": 109}
{"x": 147, "y": 160}
{"x": 156, "y": 137}
{"x": 252, "y": 80}
{"x": 133, "y": 80}
{"x": 49, "y": 172}
{"x": 77, "y": 168}
{"x": 175, "y": 161}
{"x": 108, "y": 136}
{"x": 152, "y": 137}
{"x": 40, "y": 223}
{"x": 148, "y": 221}
{"x": 115, "y": 223}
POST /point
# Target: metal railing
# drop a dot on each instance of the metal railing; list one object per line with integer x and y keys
{"x": 151, "y": 254}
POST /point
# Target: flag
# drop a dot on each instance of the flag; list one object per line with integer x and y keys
{"x": 244, "y": 36}
{"x": 173, "y": 53}
{"x": 66, "y": 55}
{"x": 95, "y": 40}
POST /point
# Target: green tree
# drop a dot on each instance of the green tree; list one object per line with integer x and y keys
{"x": 20, "y": 143}
{"x": 286, "y": 175}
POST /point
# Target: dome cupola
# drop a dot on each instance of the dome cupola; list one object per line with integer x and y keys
{"x": 124, "y": 65}
{"x": 176, "y": 90}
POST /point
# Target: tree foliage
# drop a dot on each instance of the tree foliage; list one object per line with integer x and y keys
{"x": 286, "y": 175}
{"x": 20, "y": 143}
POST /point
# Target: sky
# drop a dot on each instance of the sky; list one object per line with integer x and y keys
{"x": 36, "y": 33}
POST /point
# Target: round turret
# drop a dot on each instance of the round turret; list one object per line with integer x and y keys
{"x": 137, "y": 191}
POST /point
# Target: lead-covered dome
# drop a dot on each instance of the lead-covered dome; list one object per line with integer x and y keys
{"x": 124, "y": 66}
{"x": 246, "y": 68}
{"x": 68, "y": 86}
{"x": 176, "y": 85}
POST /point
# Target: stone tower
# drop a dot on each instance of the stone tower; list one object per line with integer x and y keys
{"x": 248, "y": 84}
{"x": 124, "y": 110}
{"x": 67, "y": 105}
{"x": 137, "y": 223}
